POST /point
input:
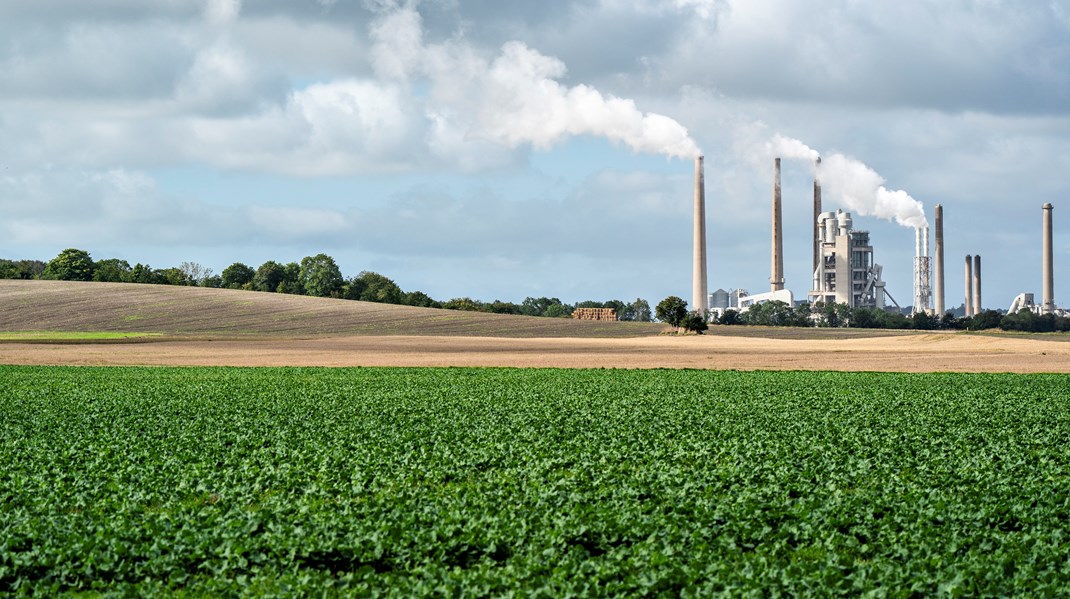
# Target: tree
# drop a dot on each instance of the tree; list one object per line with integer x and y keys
{"x": 696, "y": 322}
{"x": 320, "y": 276}
{"x": 672, "y": 310}
{"x": 268, "y": 276}
{"x": 112, "y": 270}
{"x": 465, "y": 304}
{"x": 194, "y": 273}
{"x": 371, "y": 286}
{"x": 70, "y": 265}
{"x": 539, "y": 306}
{"x": 640, "y": 310}
{"x": 420, "y": 299}
{"x": 143, "y": 273}
{"x": 729, "y": 317}
{"x": 291, "y": 279}
{"x": 175, "y": 276}
{"x": 237, "y": 276}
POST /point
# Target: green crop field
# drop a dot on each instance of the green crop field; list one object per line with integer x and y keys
{"x": 140, "y": 481}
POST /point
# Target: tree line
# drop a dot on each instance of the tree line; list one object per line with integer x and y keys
{"x": 317, "y": 276}
{"x": 778, "y": 313}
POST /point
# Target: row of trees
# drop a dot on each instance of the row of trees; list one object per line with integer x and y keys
{"x": 317, "y": 276}
{"x": 777, "y": 313}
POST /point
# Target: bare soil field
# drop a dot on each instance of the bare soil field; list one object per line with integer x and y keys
{"x": 234, "y": 328}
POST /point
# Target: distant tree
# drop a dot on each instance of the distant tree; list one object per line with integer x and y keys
{"x": 618, "y": 306}
{"x": 500, "y": 307}
{"x": 237, "y": 276}
{"x": 21, "y": 269}
{"x": 729, "y": 317}
{"x": 696, "y": 323}
{"x": 989, "y": 319}
{"x": 268, "y": 276}
{"x": 291, "y": 279}
{"x": 70, "y": 265}
{"x": 143, "y": 273}
{"x": 212, "y": 281}
{"x": 320, "y": 276}
{"x": 194, "y": 273}
{"x": 175, "y": 276}
{"x": 465, "y": 304}
{"x": 111, "y": 270}
{"x": 672, "y": 310}
{"x": 420, "y": 299}
{"x": 923, "y": 321}
{"x": 590, "y": 304}
{"x": 371, "y": 286}
{"x": 775, "y": 313}
{"x": 640, "y": 310}
{"x": 544, "y": 306}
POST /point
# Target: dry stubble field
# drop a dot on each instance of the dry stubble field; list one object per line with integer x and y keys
{"x": 194, "y": 326}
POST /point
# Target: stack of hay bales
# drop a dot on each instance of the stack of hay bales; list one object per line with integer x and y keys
{"x": 594, "y": 314}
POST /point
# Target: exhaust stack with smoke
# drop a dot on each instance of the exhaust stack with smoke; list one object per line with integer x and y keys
{"x": 699, "y": 298}
{"x": 817, "y": 215}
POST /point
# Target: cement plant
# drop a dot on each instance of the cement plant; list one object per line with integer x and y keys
{"x": 844, "y": 266}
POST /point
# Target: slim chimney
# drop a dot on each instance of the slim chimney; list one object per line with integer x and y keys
{"x": 939, "y": 269}
{"x": 776, "y": 281}
{"x": 969, "y": 285}
{"x": 817, "y": 214}
{"x": 977, "y": 284}
{"x": 699, "y": 299}
{"x": 1047, "y": 304}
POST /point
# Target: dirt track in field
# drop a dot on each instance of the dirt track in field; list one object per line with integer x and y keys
{"x": 911, "y": 353}
{"x": 240, "y": 328}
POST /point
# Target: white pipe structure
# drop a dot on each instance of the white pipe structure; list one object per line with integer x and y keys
{"x": 699, "y": 296}
{"x": 977, "y": 285}
{"x": 922, "y": 278}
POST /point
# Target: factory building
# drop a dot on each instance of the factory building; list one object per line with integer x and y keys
{"x": 846, "y": 272}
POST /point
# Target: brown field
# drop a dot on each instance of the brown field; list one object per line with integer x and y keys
{"x": 237, "y": 328}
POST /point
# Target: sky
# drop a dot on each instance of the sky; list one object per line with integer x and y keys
{"x": 500, "y": 149}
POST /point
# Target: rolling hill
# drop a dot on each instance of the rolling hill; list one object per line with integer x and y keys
{"x": 200, "y": 312}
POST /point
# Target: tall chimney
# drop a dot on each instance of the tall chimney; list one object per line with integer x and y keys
{"x": 977, "y": 284}
{"x": 817, "y": 214}
{"x": 969, "y": 285}
{"x": 939, "y": 269}
{"x": 776, "y": 280}
{"x": 699, "y": 298}
{"x": 1047, "y": 304}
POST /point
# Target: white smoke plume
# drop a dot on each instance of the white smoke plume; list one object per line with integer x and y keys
{"x": 862, "y": 191}
{"x": 793, "y": 149}
{"x": 514, "y": 99}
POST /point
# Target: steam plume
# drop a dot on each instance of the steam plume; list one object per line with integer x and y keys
{"x": 793, "y": 149}
{"x": 862, "y": 191}
{"x": 515, "y": 98}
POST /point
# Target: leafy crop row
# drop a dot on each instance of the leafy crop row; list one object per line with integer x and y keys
{"x": 542, "y": 482}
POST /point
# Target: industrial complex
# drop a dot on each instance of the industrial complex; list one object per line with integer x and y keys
{"x": 845, "y": 270}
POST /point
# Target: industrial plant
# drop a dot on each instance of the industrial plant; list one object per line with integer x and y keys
{"x": 845, "y": 270}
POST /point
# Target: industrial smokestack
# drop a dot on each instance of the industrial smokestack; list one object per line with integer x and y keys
{"x": 699, "y": 298}
{"x": 969, "y": 285}
{"x": 939, "y": 269}
{"x": 776, "y": 280}
{"x": 817, "y": 215}
{"x": 977, "y": 284}
{"x": 1047, "y": 297}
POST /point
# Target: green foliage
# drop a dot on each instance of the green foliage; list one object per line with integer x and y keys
{"x": 21, "y": 269}
{"x": 268, "y": 276}
{"x": 373, "y": 287}
{"x": 237, "y": 276}
{"x": 729, "y": 317}
{"x": 112, "y": 270}
{"x": 505, "y": 482}
{"x": 143, "y": 273}
{"x": 777, "y": 314}
{"x": 544, "y": 306}
{"x": 672, "y": 311}
{"x": 696, "y": 323}
{"x": 70, "y": 265}
{"x": 320, "y": 276}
